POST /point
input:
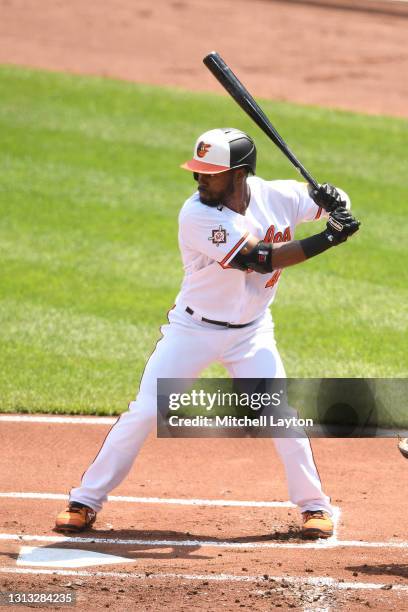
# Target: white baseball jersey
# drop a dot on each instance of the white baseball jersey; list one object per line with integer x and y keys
{"x": 210, "y": 237}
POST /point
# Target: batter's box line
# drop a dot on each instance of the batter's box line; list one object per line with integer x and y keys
{"x": 316, "y": 581}
{"x": 157, "y": 500}
{"x": 177, "y": 501}
{"x": 58, "y": 420}
{"x": 336, "y": 521}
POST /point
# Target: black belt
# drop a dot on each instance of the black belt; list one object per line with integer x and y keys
{"x": 222, "y": 323}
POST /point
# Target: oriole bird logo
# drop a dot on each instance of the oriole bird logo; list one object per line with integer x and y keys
{"x": 202, "y": 149}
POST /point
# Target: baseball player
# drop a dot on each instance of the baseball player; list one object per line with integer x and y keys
{"x": 236, "y": 236}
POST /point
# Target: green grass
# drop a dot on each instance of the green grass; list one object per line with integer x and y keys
{"x": 90, "y": 188}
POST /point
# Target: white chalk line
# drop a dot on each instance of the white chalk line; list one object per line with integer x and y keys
{"x": 94, "y": 420}
{"x": 80, "y": 420}
{"x": 329, "y": 543}
{"x": 157, "y": 500}
{"x": 336, "y": 521}
{"x": 317, "y": 581}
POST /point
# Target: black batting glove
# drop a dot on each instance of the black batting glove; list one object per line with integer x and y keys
{"x": 340, "y": 226}
{"x": 327, "y": 197}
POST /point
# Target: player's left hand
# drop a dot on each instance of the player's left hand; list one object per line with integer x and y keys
{"x": 327, "y": 197}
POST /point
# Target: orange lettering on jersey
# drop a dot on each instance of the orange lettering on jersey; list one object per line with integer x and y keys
{"x": 269, "y": 234}
{"x": 287, "y": 235}
{"x": 274, "y": 279}
{"x": 275, "y": 238}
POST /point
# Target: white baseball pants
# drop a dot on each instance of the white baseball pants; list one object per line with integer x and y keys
{"x": 187, "y": 347}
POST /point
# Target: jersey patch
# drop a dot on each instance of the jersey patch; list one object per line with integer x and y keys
{"x": 218, "y": 236}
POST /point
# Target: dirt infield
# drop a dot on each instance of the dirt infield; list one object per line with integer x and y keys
{"x": 185, "y": 549}
{"x": 285, "y": 51}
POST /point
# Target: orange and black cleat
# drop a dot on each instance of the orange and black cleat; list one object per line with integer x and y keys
{"x": 316, "y": 524}
{"x": 75, "y": 518}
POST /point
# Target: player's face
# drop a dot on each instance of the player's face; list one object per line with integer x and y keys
{"x": 215, "y": 188}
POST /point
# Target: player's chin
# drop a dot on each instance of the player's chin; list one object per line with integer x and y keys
{"x": 206, "y": 198}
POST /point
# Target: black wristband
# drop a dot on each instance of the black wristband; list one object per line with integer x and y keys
{"x": 314, "y": 245}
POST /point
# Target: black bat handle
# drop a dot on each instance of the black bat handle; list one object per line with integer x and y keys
{"x": 241, "y": 95}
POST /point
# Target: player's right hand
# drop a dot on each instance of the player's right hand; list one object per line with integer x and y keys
{"x": 328, "y": 197}
{"x": 340, "y": 226}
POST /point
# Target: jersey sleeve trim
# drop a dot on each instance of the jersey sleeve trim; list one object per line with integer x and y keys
{"x": 224, "y": 263}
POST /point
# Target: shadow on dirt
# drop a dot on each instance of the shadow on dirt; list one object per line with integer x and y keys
{"x": 382, "y": 569}
{"x": 289, "y": 535}
{"x": 160, "y": 544}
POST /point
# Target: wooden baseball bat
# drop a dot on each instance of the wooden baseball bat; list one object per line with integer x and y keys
{"x": 241, "y": 95}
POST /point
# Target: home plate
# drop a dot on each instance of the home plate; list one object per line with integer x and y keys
{"x": 40, "y": 556}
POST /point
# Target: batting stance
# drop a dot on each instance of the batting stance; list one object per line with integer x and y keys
{"x": 235, "y": 235}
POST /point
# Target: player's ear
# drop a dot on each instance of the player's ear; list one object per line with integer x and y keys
{"x": 241, "y": 174}
{"x": 195, "y": 175}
